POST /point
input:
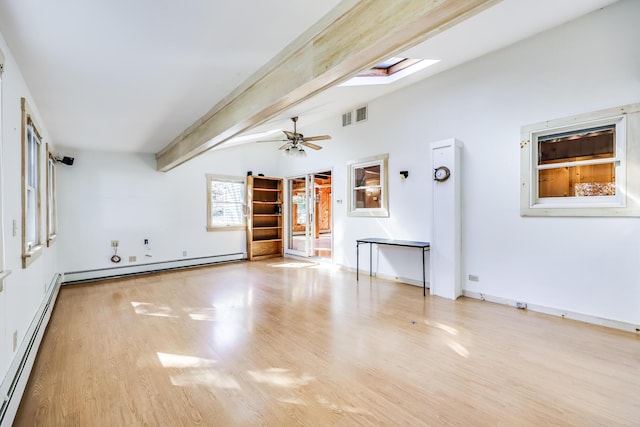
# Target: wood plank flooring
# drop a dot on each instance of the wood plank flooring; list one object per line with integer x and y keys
{"x": 286, "y": 343}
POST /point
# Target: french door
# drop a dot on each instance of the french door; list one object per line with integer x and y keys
{"x": 309, "y": 215}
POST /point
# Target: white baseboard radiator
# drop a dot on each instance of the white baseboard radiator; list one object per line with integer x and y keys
{"x": 146, "y": 268}
{"x": 14, "y": 383}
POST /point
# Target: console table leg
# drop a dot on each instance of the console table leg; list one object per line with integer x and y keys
{"x": 424, "y": 278}
{"x": 370, "y": 258}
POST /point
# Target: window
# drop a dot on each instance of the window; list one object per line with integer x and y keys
{"x": 52, "y": 208}
{"x": 578, "y": 166}
{"x": 225, "y": 203}
{"x": 368, "y": 194}
{"x": 31, "y": 179}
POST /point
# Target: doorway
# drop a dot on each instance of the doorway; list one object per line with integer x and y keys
{"x": 310, "y": 215}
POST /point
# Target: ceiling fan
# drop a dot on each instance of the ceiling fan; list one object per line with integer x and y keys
{"x": 295, "y": 141}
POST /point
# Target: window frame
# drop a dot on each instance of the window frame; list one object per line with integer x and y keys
{"x": 383, "y": 211}
{"x": 31, "y": 250}
{"x": 52, "y": 201}
{"x": 242, "y": 202}
{"x": 625, "y": 119}
{"x": 3, "y": 273}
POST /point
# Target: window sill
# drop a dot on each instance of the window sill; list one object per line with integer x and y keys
{"x": 29, "y": 257}
{"x": 371, "y": 213}
{"x": 51, "y": 240}
{"x": 230, "y": 228}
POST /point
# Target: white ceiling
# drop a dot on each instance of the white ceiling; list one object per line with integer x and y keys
{"x": 124, "y": 75}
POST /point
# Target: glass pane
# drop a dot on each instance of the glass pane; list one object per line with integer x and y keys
{"x": 367, "y": 176}
{"x": 226, "y": 191}
{"x": 578, "y": 181}
{"x": 31, "y": 216}
{"x": 226, "y": 214}
{"x": 32, "y": 150}
{"x": 585, "y": 144}
{"x": 367, "y": 198}
{"x": 299, "y": 205}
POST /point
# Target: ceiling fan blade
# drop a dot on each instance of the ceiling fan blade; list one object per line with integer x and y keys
{"x": 285, "y": 146}
{"x": 316, "y": 138}
{"x": 273, "y": 140}
{"x": 311, "y": 145}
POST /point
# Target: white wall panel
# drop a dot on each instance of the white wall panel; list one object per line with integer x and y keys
{"x": 585, "y": 265}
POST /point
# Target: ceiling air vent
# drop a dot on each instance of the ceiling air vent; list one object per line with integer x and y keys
{"x": 346, "y": 119}
{"x": 361, "y": 114}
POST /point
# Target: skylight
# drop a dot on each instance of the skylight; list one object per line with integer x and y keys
{"x": 389, "y": 71}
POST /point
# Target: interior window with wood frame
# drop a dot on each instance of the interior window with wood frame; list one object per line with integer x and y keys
{"x": 52, "y": 204}
{"x": 581, "y": 165}
{"x": 368, "y": 190}
{"x": 32, "y": 241}
{"x": 226, "y": 209}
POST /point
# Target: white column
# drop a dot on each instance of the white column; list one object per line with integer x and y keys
{"x": 445, "y": 256}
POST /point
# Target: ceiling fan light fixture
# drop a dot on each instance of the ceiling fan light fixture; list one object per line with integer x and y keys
{"x": 293, "y": 145}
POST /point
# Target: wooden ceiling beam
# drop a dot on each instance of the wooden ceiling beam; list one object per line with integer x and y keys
{"x": 354, "y": 36}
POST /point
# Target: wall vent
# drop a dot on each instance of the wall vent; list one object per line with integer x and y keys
{"x": 346, "y": 119}
{"x": 362, "y": 114}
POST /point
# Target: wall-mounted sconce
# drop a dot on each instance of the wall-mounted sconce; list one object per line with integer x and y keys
{"x": 404, "y": 175}
{"x": 65, "y": 160}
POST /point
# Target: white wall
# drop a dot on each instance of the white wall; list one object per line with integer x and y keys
{"x": 116, "y": 196}
{"x": 584, "y": 265}
{"x": 24, "y": 289}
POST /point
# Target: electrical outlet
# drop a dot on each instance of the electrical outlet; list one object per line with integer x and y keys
{"x": 521, "y": 305}
{"x": 474, "y": 278}
{"x": 482, "y": 297}
{"x": 146, "y": 241}
{"x": 132, "y": 258}
{"x": 184, "y": 253}
{"x": 115, "y": 243}
{"x": 15, "y": 228}
{"x": 15, "y": 341}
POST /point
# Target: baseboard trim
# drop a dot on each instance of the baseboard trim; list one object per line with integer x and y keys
{"x": 15, "y": 381}
{"x": 75, "y": 277}
{"x": 565, "y": 314}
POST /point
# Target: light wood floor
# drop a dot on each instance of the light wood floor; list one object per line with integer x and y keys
{"x": 284, "y": 343}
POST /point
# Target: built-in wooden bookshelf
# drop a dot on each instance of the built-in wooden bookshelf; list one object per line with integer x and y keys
{"x": 264, "y": 224}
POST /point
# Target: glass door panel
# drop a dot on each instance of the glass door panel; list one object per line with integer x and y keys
{"x": 298, "y": 217}
{"x": 309, "y": 215}
{"x": 322, "y": 242}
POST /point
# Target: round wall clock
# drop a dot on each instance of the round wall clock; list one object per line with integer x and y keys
{"x": 441, "y": 173}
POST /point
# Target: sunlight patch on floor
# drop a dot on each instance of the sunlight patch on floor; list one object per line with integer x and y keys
{"x": 201, "y": 313}
{"x": 293, "y": 401}
{"x": 149, "y": 309}
{"x": 326, "y": 266}
{"x": 207, "y": 377}
{"x": 280, "y": 377}
{"x": 459, "y": 348}
{"x": 334, "y": 407}
{"x": 442, "y": 326}
{"x": 292, "y": 264}
{"x": 180, "y": 361}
